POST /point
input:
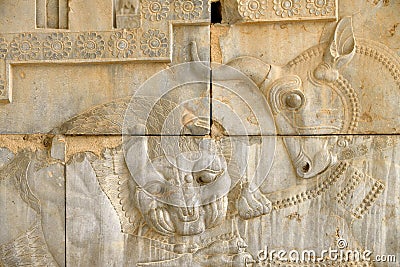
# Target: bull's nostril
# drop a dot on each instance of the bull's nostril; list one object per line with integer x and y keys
{"x": 305, "y": 167}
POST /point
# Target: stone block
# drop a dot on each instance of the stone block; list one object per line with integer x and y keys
{"x": 157, "y": 204}
{"x": 62, "y": 71}
{"x": 321, "y": 78}
{"x": 32, "y": 202}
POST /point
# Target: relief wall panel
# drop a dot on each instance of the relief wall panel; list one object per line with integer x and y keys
{"x": 199, "y": 133}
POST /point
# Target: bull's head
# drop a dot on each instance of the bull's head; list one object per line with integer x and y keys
{"x": 308, "y": 96}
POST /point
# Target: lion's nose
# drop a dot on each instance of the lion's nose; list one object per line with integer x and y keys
{"x": 189, "y": 179}
{"x": 191, "y": 199}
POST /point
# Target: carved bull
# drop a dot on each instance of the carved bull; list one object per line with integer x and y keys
{"x": 309, "y": 96}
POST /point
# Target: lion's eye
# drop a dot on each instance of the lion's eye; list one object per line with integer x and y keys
{"x": 206, "y": 176}
{"x": 155, "y": 188}
{"x": 294, "y": 100}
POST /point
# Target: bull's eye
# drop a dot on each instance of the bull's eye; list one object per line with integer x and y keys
{"x": 294, "y": 100}
{"x": 305, "y": 167}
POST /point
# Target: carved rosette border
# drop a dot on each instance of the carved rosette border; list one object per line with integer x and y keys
{"x": 73, "y": 47}
{"x": 287, "y": 10}
{"x": 151, "y": 42}
{"x": 81, "y": 47}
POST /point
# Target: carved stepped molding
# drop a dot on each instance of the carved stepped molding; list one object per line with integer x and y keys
{"x": 149, "y": 39}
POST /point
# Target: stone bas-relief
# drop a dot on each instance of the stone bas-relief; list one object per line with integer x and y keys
{"x": 108, "y": 54}
{"x": 32, "y": 219}
{"x": 290, "y": 145}
{"x": 327, "y": 89}
{"x": 342, "y": 203}
{"x": 182, "y": 227}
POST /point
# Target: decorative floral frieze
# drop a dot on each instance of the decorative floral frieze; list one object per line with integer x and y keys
{"x": 188, "y": 9}
{"x": 155, "y": 10}
{"x": 252, "y": 9}
{"x": 25, "y": 46}
{"x": 122, "y": 44}
{"x": 2, "y": 88}
{"x": 287, "y": 8}
{"x": 320, "y": 7}
{"x": 57, "y": 46}
{"x": 282, "y": 10}
{"x": 85, "y": 46}
{"x": 90, "y": 45}
{"x": 3, "y": 48}
{"x": 154, "y": 43}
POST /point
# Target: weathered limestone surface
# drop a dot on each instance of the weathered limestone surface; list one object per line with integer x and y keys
{"x": 348, "y": 200}
{"x": 50, "y": 74}
{"x": 138, "y": 133}
{"x": 32, "y": 201}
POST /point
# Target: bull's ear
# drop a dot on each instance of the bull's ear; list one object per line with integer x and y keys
{"x": 339, "y": 52}
{"x": 343, "y": 45}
